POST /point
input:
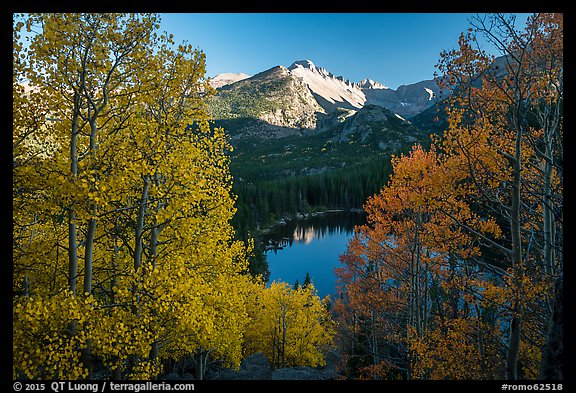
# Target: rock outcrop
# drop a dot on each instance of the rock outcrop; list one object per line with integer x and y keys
{"x": 254, "y": 367}
{"x": 257, "y": 367}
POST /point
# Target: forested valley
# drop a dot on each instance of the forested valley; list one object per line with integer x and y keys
{"x": 135, "y": 233}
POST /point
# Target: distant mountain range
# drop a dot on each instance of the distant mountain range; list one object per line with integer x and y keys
{"x": 304, "y": 120}
{"x": 334, "y": 92}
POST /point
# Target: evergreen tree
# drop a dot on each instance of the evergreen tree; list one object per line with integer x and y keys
{"x": 307, "y": 281}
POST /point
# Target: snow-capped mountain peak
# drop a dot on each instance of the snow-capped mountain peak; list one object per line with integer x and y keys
{"x": 304, "y": 64}
{"x": 331, "y": 91}
{"x": 309, "y": 65}
{"x": 371, "y": 84}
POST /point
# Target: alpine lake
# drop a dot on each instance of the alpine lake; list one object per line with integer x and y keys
{"x": 311, "y": 245}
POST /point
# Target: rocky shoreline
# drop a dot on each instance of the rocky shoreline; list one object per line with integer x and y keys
{"x": 302, "y": 216}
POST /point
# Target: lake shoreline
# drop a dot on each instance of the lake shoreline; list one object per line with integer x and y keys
{"x": 302, "y": 216}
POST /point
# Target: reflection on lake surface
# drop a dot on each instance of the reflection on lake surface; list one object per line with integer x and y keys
{"x": 306, "y": 235}
{"x": 312, "y": 245}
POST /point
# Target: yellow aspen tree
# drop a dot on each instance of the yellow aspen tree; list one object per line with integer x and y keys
{"x": 86, "y": 64}
{"x": 125, "y": 173}
{"x": 291, "y": 327}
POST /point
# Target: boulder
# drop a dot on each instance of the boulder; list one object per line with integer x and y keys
{"x": 303, "y": 373}
{"x": 254, "y": 367}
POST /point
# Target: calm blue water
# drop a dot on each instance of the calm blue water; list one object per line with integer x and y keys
{"x": 312, "y": 246}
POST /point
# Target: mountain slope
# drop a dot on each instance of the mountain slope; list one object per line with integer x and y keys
{"x": 370, "y": 133}
{"x": 434, "y": 118}
{"x": 305, "y": 99}
{"x": 271, "y": 104}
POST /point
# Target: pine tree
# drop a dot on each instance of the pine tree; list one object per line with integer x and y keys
{"x": 307, "y": 281}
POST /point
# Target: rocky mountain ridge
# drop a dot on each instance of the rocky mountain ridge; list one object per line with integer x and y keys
{"x": 334, "y": 93}
{"x": 269, "y": 105}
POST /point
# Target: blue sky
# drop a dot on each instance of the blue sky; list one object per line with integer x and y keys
{"x": 393, "y": 49}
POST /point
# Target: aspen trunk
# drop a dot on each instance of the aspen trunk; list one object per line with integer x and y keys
{"x": 72, "y": 245}
{"x": 548, "y": 214}
{"x": 200, "y": 358}
{"x": 375, "y": 354}
{"x": 88, "y": 263}
{"x": 72, "y": 251}
{"x": 154, "y": 245}
{"x": 88, "y": 256}
{"x": 89, "y": 243}
{"x": 140, "y": 224}
{"x": 418, "y": 294}
{"x": 284, "y": 328}
{"x": 517, "y": 263}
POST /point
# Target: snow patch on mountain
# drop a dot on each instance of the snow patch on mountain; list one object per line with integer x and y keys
{"x": 429, "y": 91}
{"x": 331, "y": 91}
{"x": 227, "y": 78}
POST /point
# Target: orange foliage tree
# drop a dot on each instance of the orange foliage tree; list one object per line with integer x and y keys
{"x": 462, "y": 246}
{"x": 409, "y": 269}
